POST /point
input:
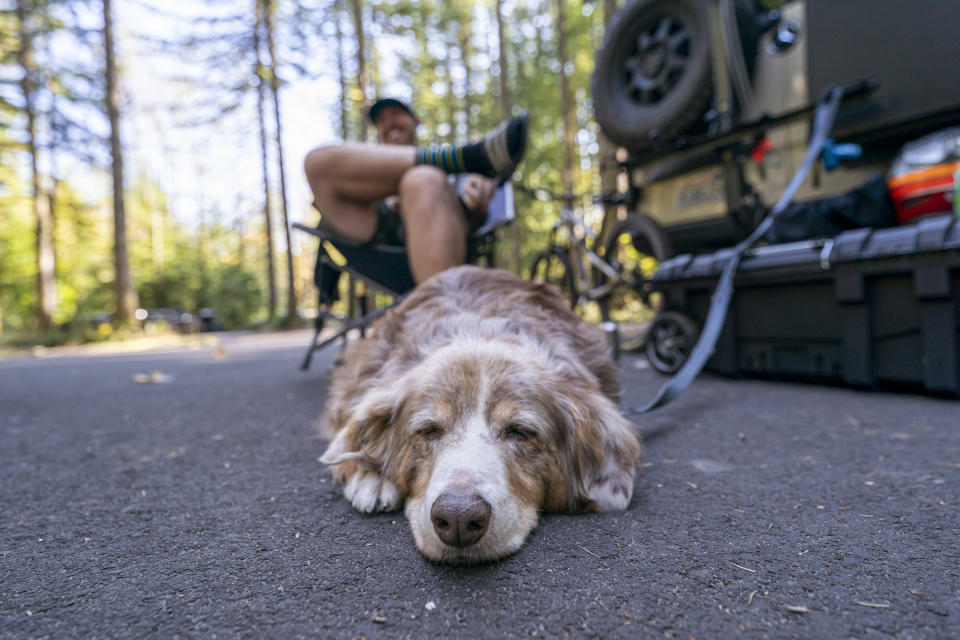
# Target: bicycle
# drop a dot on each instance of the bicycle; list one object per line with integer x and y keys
{"x": 617, "y": 278}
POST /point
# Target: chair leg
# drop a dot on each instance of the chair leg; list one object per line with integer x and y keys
{"x": 313, "y": 345}
{"x": 363, "y": 300}
{"x": 361, "y": 323}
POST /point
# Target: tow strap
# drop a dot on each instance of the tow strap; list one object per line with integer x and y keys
{"x": 720, "y": 300}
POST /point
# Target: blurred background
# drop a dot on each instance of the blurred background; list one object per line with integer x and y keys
{"x": 152, "y": 151}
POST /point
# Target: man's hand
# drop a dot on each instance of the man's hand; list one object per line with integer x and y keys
{"x": 476, "y": 192}
{"x": 393, "y": 203}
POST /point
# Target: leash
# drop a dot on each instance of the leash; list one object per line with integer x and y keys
{"x": 720, "y": 300}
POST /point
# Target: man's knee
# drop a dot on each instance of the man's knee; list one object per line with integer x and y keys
{"x": 318, "y": 162}
{"x": 423, "y": 179}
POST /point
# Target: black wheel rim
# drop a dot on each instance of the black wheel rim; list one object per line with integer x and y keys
{"x": 657, "y": 61}
{"x": 670, "y": 346}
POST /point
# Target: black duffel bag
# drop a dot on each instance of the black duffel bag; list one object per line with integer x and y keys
{"x": 868, "y": 205}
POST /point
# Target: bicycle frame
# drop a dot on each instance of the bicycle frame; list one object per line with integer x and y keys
{"x": 579, "y": 254}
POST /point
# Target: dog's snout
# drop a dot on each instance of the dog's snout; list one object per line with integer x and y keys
{"x": 460, "y": 519}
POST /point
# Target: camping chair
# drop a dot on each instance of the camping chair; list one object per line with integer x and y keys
{"x": 392, "y": 276}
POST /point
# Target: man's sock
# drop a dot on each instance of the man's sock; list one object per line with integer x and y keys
{"x": 497, "y": 155}
{"x": 446, "y": 157}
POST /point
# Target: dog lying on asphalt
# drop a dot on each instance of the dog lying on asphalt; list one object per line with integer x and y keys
{"x": 478, "y": 402}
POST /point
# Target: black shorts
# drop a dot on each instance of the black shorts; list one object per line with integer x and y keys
{"x": 390, "y": 229}
{"x": 388, "y": 264}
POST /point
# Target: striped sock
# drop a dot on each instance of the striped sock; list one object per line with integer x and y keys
{"x": 446, "y": 157}
{"x": 496, "y": 156}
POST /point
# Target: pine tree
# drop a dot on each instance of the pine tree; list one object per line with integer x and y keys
{"x": 261, "y": 75}
{"x": 268, "y": 25}
{"x": 28, "y": 18}
{"x": 126, "y": 297}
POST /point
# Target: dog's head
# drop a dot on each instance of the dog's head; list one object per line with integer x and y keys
{"x": 483, "y": 435}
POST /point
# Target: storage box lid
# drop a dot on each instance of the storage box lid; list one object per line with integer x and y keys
{"x": 934, "y": 234}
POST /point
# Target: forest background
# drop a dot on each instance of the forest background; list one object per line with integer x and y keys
{"x": 151, "y": 152}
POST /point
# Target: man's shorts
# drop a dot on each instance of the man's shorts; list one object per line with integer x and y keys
{"x": 390, "y": 225}
{"x": 389, "y": 267}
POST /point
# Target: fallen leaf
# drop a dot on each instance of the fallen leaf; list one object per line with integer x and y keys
{"x": 797, "y": 609}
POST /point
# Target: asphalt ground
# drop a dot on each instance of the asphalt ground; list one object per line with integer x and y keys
{"x": 193, "y": 506}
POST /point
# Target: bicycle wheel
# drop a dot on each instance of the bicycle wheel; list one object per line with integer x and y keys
{"x": 634, "y": 248}
{"x": 552, "y": 266}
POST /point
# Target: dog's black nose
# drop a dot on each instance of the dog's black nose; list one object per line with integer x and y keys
{"x": 460, "y": 519}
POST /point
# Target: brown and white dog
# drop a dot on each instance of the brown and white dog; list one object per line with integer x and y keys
{"x": 479, "y": 401}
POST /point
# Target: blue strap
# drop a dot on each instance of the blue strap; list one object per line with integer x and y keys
{"x": 720, "y": 301}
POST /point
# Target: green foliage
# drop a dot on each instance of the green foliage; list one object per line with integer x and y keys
{"x": 173, "y": 265}
{"x": 17, "y": 291}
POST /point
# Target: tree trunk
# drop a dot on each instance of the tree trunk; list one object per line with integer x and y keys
{"x": 54, "y": 183}
{"x": 45, "y": 260}
{"x": 341, "y": 71}
{"x": 275, "y": 91}
{"x": 502, "y": 62}
{"x": 516, "y": 235}
{"x": 241, "y": 231}
{"x": 260, "y": 71}
{"x": 608, "y": 164}
{"x": 374, "y": 78}
{"x": 152, "y": 203}
{"x": 361, "y": 65}
{"x": 566, "y": 100}
{"x": 451, "y": 101}
{"x": 466, "y": 54}
{"x": 126, "y": 296}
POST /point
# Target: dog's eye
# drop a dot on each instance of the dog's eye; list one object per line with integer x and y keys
{"x": 429, "y": 431}
{"x": 516, "y": 432}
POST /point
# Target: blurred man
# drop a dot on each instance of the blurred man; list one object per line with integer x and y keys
{"x": 397, "y": 193}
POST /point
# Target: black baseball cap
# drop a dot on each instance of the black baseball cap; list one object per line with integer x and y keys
{"x": 388, "y": 102}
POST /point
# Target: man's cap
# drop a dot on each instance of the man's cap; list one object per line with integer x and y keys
{"x": 388, "y": 102}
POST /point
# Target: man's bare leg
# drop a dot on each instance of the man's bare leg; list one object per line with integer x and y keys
{"x": 347, "y": 181}
{"x": 361, "y": 172}
{"x": 433, "y": 220}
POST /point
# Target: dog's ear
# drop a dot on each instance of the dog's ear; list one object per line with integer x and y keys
{"x": 603, "y": 451}
{"x": 367, "y": 435}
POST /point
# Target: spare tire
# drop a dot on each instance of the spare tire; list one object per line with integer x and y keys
{"x": 652, "y": 81}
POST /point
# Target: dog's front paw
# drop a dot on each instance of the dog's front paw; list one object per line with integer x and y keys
{"x": 368, "y": 492}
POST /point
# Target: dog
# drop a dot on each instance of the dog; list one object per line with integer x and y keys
{"x": 477, "y": 403}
